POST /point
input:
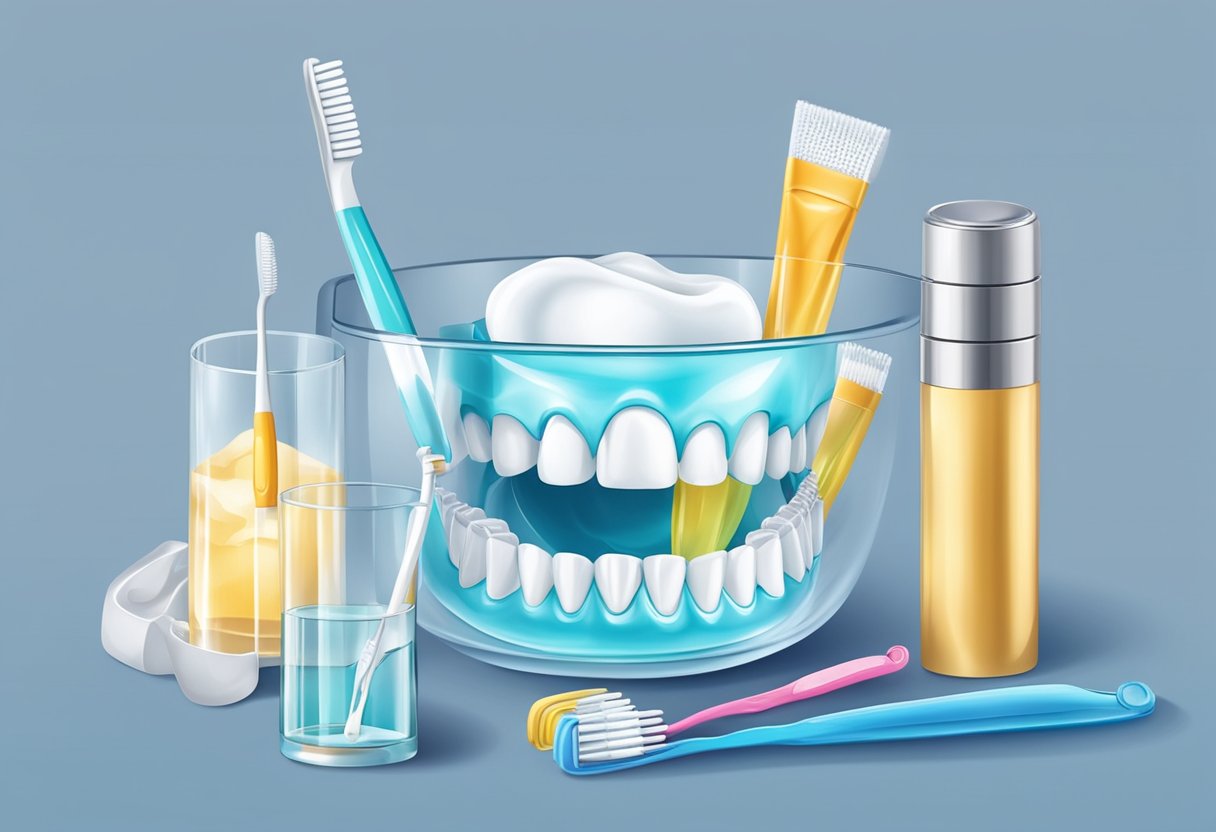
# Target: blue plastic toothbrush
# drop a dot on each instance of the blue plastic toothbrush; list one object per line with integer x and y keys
{"x": 1025, "y": 708}
{"x": 339, "y": 141}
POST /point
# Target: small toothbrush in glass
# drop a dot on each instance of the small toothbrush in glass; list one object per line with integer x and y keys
{"x": 1028, "y": 708}
{"x": 265, "y": 443}
{"x": 339, "y": 140}
{"x": 415, "y": 535}
{"x": 599, "y": 707}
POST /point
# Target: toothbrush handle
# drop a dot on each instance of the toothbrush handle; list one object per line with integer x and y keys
{"x": 382, "y": 296}
{"x": 813, "y": 684}
{"x": 388, "y": 313}
{"x": 979, "y": 712}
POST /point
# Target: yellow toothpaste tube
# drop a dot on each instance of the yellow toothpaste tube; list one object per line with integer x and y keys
{"x": 859, "y": 385}
{"x": 832, "y": 159}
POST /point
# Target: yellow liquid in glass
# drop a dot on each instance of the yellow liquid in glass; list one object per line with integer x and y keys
{"x": 235, "y": 589}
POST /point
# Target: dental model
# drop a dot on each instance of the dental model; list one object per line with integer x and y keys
{"x": 559, "y": 531}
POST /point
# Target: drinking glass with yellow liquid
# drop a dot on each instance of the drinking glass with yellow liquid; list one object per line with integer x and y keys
{"x": 235, "y": 589}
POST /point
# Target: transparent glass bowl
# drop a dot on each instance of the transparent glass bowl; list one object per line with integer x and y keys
{"x": 787, "y": 378}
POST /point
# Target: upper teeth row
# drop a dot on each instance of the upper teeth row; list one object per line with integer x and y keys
{"x": 638, "y": 450}
{"x": 485, "y": 549}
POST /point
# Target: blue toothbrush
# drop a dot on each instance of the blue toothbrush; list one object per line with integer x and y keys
{"x": 339, "y": 141}
{"x": 594, "y": 748}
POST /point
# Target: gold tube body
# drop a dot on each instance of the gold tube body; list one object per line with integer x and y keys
{"x": 979, "y": 530}
{"x": 818, "y": 207}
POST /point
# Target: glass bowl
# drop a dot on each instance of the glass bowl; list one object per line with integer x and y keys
{"x": 504, "y": 519}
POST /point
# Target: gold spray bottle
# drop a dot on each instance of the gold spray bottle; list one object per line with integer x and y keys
{"x": 980, "y": 439}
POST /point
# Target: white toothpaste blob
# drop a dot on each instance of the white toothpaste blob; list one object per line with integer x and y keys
{"x": 622, "y": 299}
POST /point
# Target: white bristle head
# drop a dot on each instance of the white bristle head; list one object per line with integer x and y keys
{"x": 621, "y": 745}
{"x": 338, "y": 110}
{"x": 864, "y": 366}
{"x": 837, "y": 141}
{"x": 268, "y": 266}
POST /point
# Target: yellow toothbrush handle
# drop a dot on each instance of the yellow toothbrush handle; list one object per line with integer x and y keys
{"x": 265, "y": 461}
{"x": 849, "y": 417}
{"x": 704, "y": 517}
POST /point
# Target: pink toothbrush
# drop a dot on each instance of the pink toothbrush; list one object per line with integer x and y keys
{"x": 599, "y": 710}
{"x": 813, "y": 684}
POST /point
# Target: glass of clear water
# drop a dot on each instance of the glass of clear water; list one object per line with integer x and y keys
{"x": 342, "y": 545}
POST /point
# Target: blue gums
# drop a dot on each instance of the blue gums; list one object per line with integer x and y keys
{"x": 687, "y": 388}
{"x": 387, "y": 311}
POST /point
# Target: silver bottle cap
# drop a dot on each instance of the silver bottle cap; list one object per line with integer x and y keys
{"x": 980, "y": 299}
{"x": 981, "y": 242}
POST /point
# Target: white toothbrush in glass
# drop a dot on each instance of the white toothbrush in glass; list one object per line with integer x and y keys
{"x": 415, "y": 536}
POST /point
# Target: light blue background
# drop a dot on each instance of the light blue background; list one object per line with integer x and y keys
{"x": 145, "y": 143}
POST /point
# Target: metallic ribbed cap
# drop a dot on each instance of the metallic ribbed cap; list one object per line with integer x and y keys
{"x": 981, "y": 242}
{"x": 980, "y": 298}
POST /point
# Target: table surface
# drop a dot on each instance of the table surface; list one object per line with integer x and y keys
{"x": 148, "y": 142}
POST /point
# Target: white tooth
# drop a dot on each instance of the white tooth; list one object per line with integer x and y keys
{"x": 817, "y": 527}
{"x": 564, "y": 457}
{"x": 769, "y": 575}
{"x": 778, "y": 463}
{"x": 665, "y": 581}
{"x": 477, "y": 433}
{"x": 798, "y": 451}
{"x": 535, "y": 573}
{"x": 799, "y": 515}
{"x": 802, "y": 523}
{"x": 791, "y": 549}
{"x": 704, "y": 460}
{"x": 514, "y": 448}
{"x": 750, "y": 451}
{"x": 572, "y": 574}
{"x": 502, "y": 568}
{"x": 476, "y": 542}
{"x": 741, "y": 574}
{"x": 814, "y": 430}
{"x": 461, "y": 520}
{"x": 636, "y": 451}
{"x": 706, "y": 574}
{"x": 618, "y": 577}
{"x": 448, "y": 503}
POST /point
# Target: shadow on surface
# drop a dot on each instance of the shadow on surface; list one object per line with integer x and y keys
{"x": 268, "y": 684}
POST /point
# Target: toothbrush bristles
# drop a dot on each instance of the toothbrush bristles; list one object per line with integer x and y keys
{"x": 338, "y": 109}
{"x": 864, "y": 366}
{"x": 268, "y": 267}
{"x": 619, "y": 733}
